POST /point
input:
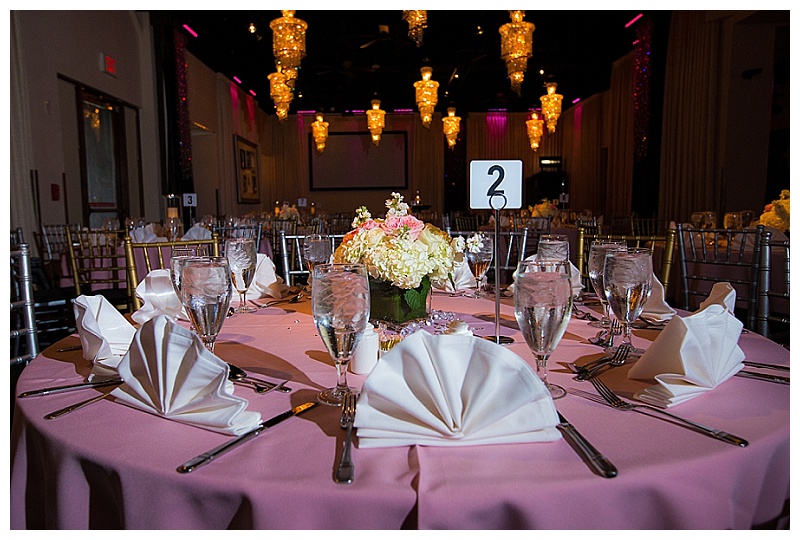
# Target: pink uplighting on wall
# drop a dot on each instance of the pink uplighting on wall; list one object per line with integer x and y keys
{"x": 496, "y": 124}
{"x": 577, "y": 99}
{"x": 235, "y": 107}
{"x": 252, "y": 93}
{"x": 186, "y": 27}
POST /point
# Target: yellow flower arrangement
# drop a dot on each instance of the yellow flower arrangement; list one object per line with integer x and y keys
{"x": 544, "y": 209}
{"x": 776, "y": 214}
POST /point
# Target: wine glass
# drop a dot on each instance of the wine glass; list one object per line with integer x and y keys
{"x": 178, "y": 257}
{"x": 340, "y": 306}
{"x": 479, "y": 256}
{"x": 542, "y": 306}
{"x": 206, "y": 295}
{"x": 316, "y": 250}
{"x": 597, "y": 261}
{"x": 553, "y": 247}
{"x": 627, "y": 282}
{"x": 241, "y": 254}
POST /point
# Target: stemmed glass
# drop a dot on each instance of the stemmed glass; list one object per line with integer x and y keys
{"x": 627, "y": 282}
{"x": 206, "y": 295}
{"x": 241, "y": 254}
{"x": 316, "y": 250}
{"x": 553, "y": 247}
{"x": 542, "y": 306}
{"x": 596, "y": 263}
{"x": 479, "y": 256}
{"x": 178, "y": 257}
{"x": 340, "y": 305}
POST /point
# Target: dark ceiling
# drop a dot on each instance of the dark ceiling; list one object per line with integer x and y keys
{"x": 349, "y": 59}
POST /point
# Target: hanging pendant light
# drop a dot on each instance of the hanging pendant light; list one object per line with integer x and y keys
{"x": 375, "y": 121}
{"x": 319, "y": 130}
{"x": 516, "y": 47}
{"x": 417, "y": 22}
{"x": 535, "y": 127}
{"x": 426, "y": 95}
{"x": 451, "y": 125}
{"x": 288, "y": 44}
{"x": 280, "y": 93}
{"x": 551, "y": 106}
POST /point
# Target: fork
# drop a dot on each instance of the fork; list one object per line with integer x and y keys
{"x": 591, "y": 369}
{"x": 346, "y": 470}
{"x": 618, "y": 403}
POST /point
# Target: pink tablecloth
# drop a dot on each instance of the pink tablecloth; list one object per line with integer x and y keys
{"x": 110, "y": 466}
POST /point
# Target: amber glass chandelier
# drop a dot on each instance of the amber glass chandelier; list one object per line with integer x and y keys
{"x": 426, "y": 95}
{"x": 319, "y": 130}
{"x": 288, "y": 44}
{"x": 551, "y": 106}
{"x": 280, "y": 93}
{"x": 451, "y": 125}
{"x": 375, "y": 122}
{"x": 535, "y": 127}
{"x": 417, "y": 21}
{"x": 516, "y": 46}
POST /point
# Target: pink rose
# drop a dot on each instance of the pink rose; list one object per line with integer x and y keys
{"x": 369, "y": 224}
{"x": 412, "y": 225}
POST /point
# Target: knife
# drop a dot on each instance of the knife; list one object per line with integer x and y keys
{"x": 765, "y": 366}
{"x": 69, "y": 388}
{"x": 596, "y": 461}
{"x": 206, "y": 457}
{"x": 763, "y": 377}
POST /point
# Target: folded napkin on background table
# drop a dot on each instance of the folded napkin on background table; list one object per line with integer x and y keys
{"x": 574, "y": 278}
{"x": 197, "y": 232}
{"x": 722, "y": 293}
{"x": 656, "y": 310}
{"x": 462, "y": 277}
{"x": 168, "y": 372}
{"x": 159, "y": 297}
{"x": 266, "y": 282}
{"x": 145, "y": 235}
{"x": 692, "y": 355}
{"x": 453, "y": 390}
{"x": 104, "y": 333}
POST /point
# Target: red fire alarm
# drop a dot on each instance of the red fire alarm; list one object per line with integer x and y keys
{"x": 55, "y": 192}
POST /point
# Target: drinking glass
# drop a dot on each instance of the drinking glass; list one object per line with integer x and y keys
{"x": 241, "y": 254}
{"x": 316, "y": 250}
{"x": 480, "y": 259}
{"x": 340, "y": 306}
{"x": 627, "y": 281}
{"x": 542, "y": 306}
{"x": 178, "y": 257}
{"x": 732, "y": 220}
{"x": 553, "y": 247}
{"x": 597, "y": 261}
{"x": 206, "y": 295}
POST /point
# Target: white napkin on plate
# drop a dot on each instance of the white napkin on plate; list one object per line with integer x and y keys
{"x": 159, "y": 297}
{"x": 691, "y": 356}
{"x": 266, "y": 282}
{"x": 168, "y": 372}
{"x": 145, "y": 235}
{"x": 574, "y": 277}
{"x": 104, "y": 333}
{"x": 453, "y": 390}
{"x": 197, "y": 232}
{"x": 656, "y": 310}
{"x": 462, "y": 277}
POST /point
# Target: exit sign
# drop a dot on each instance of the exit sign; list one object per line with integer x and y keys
{"x": 108, "y": 64}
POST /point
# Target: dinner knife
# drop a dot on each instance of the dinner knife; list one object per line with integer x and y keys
{"x": 207, "y": 457}
{"x": 69, "y": 388}
{"x": 594, "y": 459}
{"x": 765, "y": 366}
{"x": 763, "y": 377}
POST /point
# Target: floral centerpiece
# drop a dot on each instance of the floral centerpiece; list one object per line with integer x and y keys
{"x": 404, "y": 257}
{"x": 776, "y": 214}
{"x": 289, "y": 212}
{"x": 544, "y": 209}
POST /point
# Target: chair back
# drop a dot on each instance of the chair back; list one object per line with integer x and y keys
{"x": 708, "y": 256}
{"x": 237, "y": 231}
{"x": 649, "y": 226}
{"x": 97, "y": 259}
{"x": 773, "y": 283}
{"x": 340, "y": 224}
{"x": 288, "y": 226}
{"x": 621, "y": 224}
{"x": 512, "y": 247}
{"x": 23, "y": 317}
{"x": 292, "y": 254}
{"x": 466, "y": 223}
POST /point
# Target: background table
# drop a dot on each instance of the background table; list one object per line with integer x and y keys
{"x": 112, "y": 466}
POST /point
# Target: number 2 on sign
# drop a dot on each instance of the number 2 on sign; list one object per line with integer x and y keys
{"x": 493, "y": 181}
{"x": 492, "y": 191}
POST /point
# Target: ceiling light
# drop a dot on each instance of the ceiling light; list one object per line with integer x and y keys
{"x": 417, "y": 22}
{"x": 280, "y": 93}
{"x": 288, "y": 43}
{"x": 319, "y": 129}
{"x": 426, "y": 96}
{"x": 451, "y": 126}
{"x": 551, "y": 106}
{"x": 516, "y": 47}
{"x": 375, "y": 122}
{"x": 535, "y": 130}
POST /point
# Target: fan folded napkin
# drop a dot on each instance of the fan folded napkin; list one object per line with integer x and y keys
{"x": 574, "y": 278}
{"x": 266, "y": 282}
{"x": 693, "y": 354}
{"x": 159, "y": 297}
{"x": 145, "y": 235}
{"x": 453, "y": 390}
{"x": 168, "y": 372}
{"x": 462, "y": 277}
{"x": 197, "y": 232}
{"x": 104, "y": 333}
{"x": 656, "y": 310}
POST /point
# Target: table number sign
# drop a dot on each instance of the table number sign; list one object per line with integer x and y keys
{"x": 190, "y": 199}
{"x": 495, "y": 184}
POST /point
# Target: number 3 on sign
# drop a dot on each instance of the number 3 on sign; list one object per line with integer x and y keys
{"x": 495, "y": 184}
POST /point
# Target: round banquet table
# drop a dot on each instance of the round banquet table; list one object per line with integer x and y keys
{"x": 112, "y": 466}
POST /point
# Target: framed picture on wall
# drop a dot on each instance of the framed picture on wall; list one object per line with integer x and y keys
{"x": 248, "y": 183}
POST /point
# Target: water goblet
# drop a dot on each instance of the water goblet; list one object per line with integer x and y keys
{"x": 340, "y": 306}
{"x": 316, "y": 250}
{"x": 241, "y": 254}
{"x": 627, "y": 282}
{"x": 206, "y": 295}
{"x": 178, "y": 257}
{"x": 480, "y": 248}
{"x": 596, "y": 263}
{"x": 542, "y": 306}
{"x": 553, "y": 247}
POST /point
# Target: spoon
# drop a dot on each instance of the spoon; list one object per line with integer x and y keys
{"x": 235, "y": 373}
{"x": 293, "y": 300}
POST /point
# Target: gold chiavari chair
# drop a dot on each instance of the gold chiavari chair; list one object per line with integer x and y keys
{"x": 98, "y": 265}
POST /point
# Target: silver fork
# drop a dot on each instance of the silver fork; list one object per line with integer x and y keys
{"x": 591, "y": 369}
{"x": 618, "y": 403}
{"x": 345, "y": 472}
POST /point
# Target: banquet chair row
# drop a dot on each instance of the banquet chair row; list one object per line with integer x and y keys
{"x": 24, "y": 339}
{"x": 769, "y": 296}
{"x": 511, "y": 247}
{"x": 97, "y": 262}
{"x": 237, "y": 231}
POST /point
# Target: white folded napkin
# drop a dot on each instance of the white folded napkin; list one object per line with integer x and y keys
{"x": 159, "y": 297}
{"x": 656, "y": 310}
{"x": 168, "y": 372}
{"x": 453, "y": 390}
{"x": 104, "y": 333}
{"x": 146, "y": 235}
{"x": 266, "y": 282}
{"x": 722, "y": 293}
{"x": 197, "y": 232}
{"x": 574, "y": 278}
{"x": 691, "y": 356}
{"x": 462, "y": 277}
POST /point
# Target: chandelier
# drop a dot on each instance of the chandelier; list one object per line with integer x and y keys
{"x": 516, "y": 46}
{"x": 451, "y": 126}
{"x": 551, "y": 106}
{"x": 319, "y": 129}
{"x": 426, "y": 96}
{"x": 288, "y": 44}
{"x": 280, "y": 93}
{"x": 375, "y": 121}
{"x": 417, "y": 22}
{"x": 535, "y": 127}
